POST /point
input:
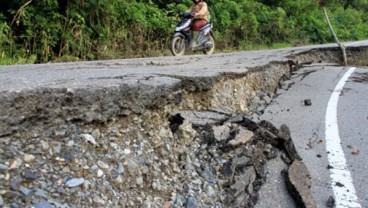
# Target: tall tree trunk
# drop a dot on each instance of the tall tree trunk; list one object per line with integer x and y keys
{"x": 336, "y": 39}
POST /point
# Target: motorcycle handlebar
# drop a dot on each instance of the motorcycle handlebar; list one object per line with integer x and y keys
{"x": 186, "y": 14}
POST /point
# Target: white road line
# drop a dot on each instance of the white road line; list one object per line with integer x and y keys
{"x": 341, "y": 180}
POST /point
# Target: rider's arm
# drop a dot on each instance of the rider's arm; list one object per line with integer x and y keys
{"x": 203, "y": 10}
{"x": 190, "y": 9}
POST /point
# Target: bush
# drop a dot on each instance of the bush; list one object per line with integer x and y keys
{"x": 58, "y": 30}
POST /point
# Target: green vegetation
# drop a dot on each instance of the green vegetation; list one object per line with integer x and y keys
{"x": 39, "y": 31}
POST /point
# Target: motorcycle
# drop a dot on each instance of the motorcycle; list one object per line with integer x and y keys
{"x": 183, "y": 39}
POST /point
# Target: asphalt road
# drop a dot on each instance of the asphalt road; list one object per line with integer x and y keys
{"x": 313, "y": 138}
{"x": 96, "y": 74}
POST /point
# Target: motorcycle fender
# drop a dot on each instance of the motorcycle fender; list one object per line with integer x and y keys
{"x": 179, "y": 34}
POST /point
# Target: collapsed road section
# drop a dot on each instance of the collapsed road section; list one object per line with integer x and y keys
{"x": 155, "y": 132}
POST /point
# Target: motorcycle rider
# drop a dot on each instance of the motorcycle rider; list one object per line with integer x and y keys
{"x": 201, "y": 18}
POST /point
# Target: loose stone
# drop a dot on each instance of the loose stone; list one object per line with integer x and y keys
{"x": 43, "y": 205}
{"x": 26, "y": 192}
{"x": 139, "y": 181}
{"x": 99, "y": 173}
{"x": 74, "y": 182}
{"x": 28, "y": 158}
{"x": 14, "y": 184}
{"x": 17, "y": 163}
{"x": 102, "y": 165}
{"x": 121, "y": 169}
{"x": 56, "y": 147}
{"x": 45, "y": 146}
{"x": 30, "y": 175}
{"x": 3, "y": 167}
{"x": 191, "y": 203}
{"x": 89, "y": 138}
{"x": 127, "y": 151}
{"x": 167, "y": 204}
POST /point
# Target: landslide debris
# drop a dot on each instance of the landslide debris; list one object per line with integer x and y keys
{"x": 196, "y": 159}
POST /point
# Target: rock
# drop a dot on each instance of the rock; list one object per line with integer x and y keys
{"x": 98, "y": 202}
{"x": 179, "y": 200}
{"x": 207, "y": 135}
{"x": 68, "y": 156}
{"x": 41, "y": 193}
{"x": 17, "y": 163}
{"x": 287, "y": 84}
{"x": 139, "y": 181}
{"x": 15, "y": 184}
{"x": 43, "y": 205}
{"x": 56, "y": 147}
{"x": 248, "y": 123}
{"x": 201, "y": 118}
{"x": 191, "y": 203}
{"x": 118, "y": 180}
{"x": 3, "y": 167}
{"x": 28, "y": 158}
{"x": 299, "y": 183}
{"x": 30, "y": 175}
{"x": 269, "y": 126}
{"x": 307, "y": 102}
{"x": 10, "y": 195}
{"x": 267, "y": 99}
{"x": 268, "y": 136}
{"x": 167, "y": 204}
{"x": 291, "y": 150}
{"x": 127, "y": 151}
{"x": 186, "y": 132}
{"x": 243, "y": 136}
{"x": 60, "y": 133}
{"x": 244, "y": 182}
{"x": 210, "y": 191}
{"x": 74, "y": 182}
{"x": 284, "y": 133}
{"x": 121, "y": 169}
{"x": 208, "y": 175}
{"x": 14, "y": 205}
{"x": 1, "y": 201}
{"x": 89, "y": 138}
{"x": 45, "y": 146}
{"x": 100, "y": 173}
{"x": 102, "y": 165}
{"x": 70, "y": 143}
{"x": 222, "y": 132}
{"x": 96, "y": 134}
{"x": 25, "y": 191}
{"x": 330, "y": 202}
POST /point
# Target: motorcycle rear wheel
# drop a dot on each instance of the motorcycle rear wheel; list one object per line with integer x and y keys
{"x": 178, "y": 46}
{"x": 212, "y": 49}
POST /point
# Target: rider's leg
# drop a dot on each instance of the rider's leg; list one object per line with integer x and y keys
{"x": 194, "y": 42}
{"x": 198, "y": 35}
{"x": 196, "y": 26}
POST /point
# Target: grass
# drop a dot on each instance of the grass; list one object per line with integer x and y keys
{"x": 6, "y": 60}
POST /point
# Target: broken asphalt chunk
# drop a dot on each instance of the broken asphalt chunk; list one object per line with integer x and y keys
{"x": 298, "y": 183}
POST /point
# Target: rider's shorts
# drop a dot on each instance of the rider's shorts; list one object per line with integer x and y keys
{"x": 198, "y": 24}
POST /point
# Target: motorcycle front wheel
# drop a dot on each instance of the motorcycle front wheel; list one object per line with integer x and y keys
{"x": 210, "y": 50}
{"x": 177, "y": 46}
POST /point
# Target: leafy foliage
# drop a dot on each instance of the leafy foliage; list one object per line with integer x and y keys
{"x": 60, "y": 30}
